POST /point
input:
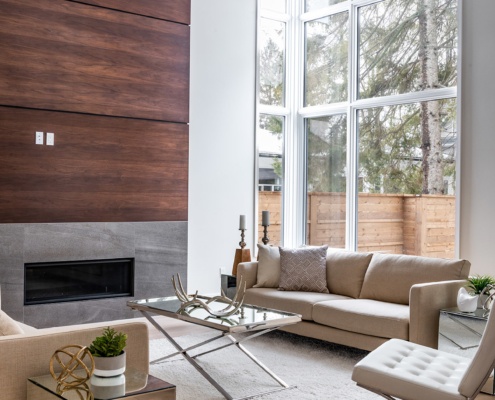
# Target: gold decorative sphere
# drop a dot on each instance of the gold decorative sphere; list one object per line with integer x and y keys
{"x": 75, "y": 363}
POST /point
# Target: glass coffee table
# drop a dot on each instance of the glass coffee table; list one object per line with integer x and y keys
{"x": 251, "y": 319}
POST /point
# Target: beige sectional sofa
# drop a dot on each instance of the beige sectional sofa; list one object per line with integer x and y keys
{"x": 27, "y": 353}
{"x": 372, "y": 297}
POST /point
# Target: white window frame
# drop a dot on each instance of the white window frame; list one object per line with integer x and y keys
{"x": 294, "y": 208}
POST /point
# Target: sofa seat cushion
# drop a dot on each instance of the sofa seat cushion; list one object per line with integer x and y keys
{"x": 295, "y": 302}
{"x": 369, "y": 317}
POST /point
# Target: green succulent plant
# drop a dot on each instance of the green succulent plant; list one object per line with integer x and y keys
{"x": 477, "y": 283}
{"x": 110, "y": 344}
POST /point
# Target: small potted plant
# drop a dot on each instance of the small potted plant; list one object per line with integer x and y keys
{"x": 108, "y": 353}
{"x": 477, "y": 285}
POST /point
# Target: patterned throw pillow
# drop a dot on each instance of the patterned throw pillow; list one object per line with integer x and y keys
{"x": 303, "y": 269}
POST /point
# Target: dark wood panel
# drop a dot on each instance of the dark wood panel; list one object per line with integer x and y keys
{"x": 100, "y": 169}
{"x": 62, "y": 55}
{"x": 170, "y": 10}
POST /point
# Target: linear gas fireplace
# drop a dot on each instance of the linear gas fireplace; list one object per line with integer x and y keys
{"x": 53, "y": 282}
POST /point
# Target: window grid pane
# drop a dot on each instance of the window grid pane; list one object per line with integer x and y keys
{"x": 270, "y": 139}
{"x": 326, "y": 142}
{"x": 406, "y": 47}
{"x": 272, "y": 62}
{"x": 326, "y": 72}
{"x": 406, "y": 201}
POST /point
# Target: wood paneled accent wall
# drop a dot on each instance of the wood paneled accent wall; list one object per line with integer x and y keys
{"x": 111, "y": 80}
{"x": 170, "y": 10}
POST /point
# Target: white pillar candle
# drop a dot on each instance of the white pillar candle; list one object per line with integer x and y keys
{"x": 265, "y": 218}
{"x": 242, "y": 222}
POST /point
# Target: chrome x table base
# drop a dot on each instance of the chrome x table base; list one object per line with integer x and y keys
{"x": 234, "y": 342}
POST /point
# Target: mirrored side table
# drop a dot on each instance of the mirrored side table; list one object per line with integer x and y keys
{"x": 464, "y": 330}
{"x": 470, "y": 326}
{"x": 138, "y": 386}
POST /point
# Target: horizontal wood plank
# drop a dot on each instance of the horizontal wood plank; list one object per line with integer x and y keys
{"x": 101, "y": 169}
{"x": 67, "y": 56}
{"x": 170, "y": 10}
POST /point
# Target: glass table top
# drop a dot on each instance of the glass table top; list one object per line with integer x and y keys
{"x": 479, "y": 313}
{"x": 248, "y": 317}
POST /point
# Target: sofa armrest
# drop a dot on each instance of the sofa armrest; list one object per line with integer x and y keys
{"x": 249, "y": 273}
{"x": 27, "y": 355}
{"x": 425, "y": 302}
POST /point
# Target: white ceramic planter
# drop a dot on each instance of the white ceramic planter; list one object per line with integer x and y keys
{"x": 465, "y": 301}
{"x": 109, "y": 366}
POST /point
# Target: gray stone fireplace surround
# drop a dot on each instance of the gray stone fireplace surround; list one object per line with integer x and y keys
{"x": 159, "y": 250}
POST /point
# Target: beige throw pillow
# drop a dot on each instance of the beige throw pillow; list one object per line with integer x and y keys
{"x": 303, "y": 269}
{"x": 268, "y": 267}
{"x": 8, "y": 326}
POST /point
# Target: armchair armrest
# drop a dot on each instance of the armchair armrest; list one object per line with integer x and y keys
{"x": 425, "y": 302}
{"x": 249, "y": 273}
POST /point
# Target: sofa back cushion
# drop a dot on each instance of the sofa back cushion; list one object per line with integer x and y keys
{"x": 390, "y": 277}
{"x": 345, "y": 272}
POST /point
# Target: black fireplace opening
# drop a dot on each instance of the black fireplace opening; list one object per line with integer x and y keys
{"x": 53, "y": 282}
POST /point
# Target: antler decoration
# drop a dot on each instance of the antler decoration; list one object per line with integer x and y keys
{"x": 232, "y": 305}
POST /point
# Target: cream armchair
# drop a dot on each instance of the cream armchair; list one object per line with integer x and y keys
{"x": 26, "y": 351}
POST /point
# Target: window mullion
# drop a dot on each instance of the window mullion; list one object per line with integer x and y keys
{"x": 293, "y": 157}
{"x": 352, "y": 129}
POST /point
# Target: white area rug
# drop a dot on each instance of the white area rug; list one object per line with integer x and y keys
{"x": 317, "y": 369}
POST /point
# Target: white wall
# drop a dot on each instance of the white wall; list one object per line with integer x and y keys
{"x": 222, "y": 134}
{"x": 477, "y": 219}
{"x": 222, "y": 131}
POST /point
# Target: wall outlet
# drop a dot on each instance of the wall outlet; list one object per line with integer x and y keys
{"x": 39, "y": 138}
{"x": 50, "y": 139}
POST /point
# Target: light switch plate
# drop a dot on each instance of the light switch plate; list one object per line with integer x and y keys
{"x": 39, "y": 137}
{"x": 50, "y": 139}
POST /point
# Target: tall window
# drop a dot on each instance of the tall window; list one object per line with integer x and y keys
{"x": 368, "y": 122}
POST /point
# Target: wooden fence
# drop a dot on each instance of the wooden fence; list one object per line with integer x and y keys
{"x": 400, "y": 224}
